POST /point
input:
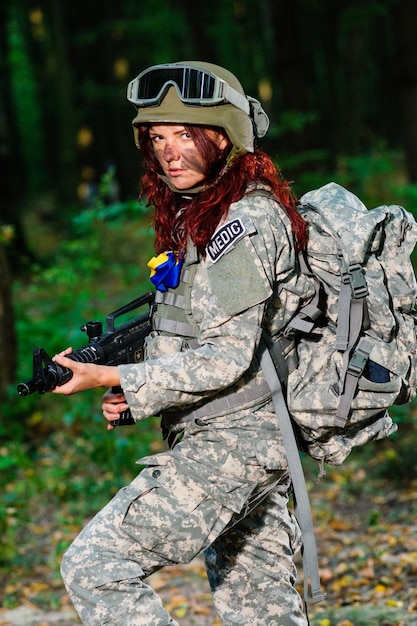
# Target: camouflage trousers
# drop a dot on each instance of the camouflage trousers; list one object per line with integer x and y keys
{"x": 185, "y": 502}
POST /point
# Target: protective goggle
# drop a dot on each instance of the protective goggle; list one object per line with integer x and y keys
{"x": 194, "y": 87}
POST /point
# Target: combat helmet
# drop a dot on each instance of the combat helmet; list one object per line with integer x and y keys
{"x": 196, "y": 92}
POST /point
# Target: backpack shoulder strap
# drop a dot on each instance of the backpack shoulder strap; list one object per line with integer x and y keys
{"x": 302, "y": 502}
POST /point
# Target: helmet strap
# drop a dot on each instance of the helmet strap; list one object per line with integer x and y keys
{"x": 192, "y": 190}
{"x": 232, "y": 156}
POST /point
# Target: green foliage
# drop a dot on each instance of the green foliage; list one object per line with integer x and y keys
{"x": 394, "y": 459}
{"x": 104, "y": 210}
{"x": 376, "y": 176}
{"x": 361, "y": 615}
{"x": 57, "y": 450}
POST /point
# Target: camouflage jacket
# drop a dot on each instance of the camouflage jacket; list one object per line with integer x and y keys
{"x": 246, "y": 282}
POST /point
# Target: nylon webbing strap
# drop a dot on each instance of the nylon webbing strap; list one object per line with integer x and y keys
{"x": 170, "y": 298}
{"x": 357, "y": 311}
{"x": 351, "y": 311}
{"x": 355, "y": 369}
{"x": 351, "y": 369}
{"x": 174, "y": 327}
{"x": 232, "y": 401}
{"x": 306, "y": 317}
{"x": 343, "y": 311}
{"x": 310, "y": 312}
{"x": 302, "y": 502}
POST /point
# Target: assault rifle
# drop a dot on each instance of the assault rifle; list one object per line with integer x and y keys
{"x": 115, "y": 346}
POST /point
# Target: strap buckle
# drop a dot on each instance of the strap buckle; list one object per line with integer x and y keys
{"x": 357, "y": 281}
{"x": 357, "y": 363}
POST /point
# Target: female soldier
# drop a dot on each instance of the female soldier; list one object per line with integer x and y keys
{"x": 226, "y": 230}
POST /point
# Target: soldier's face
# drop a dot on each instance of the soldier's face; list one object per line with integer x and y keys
{"x": 178, "y": 155}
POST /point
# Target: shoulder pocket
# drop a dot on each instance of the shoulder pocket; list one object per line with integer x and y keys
{"x": 237, "y": 277}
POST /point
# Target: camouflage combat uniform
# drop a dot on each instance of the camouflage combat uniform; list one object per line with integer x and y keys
{"x": 223, "y": 488}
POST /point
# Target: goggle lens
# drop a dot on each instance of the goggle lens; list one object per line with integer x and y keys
{"x": 193, "y": 85}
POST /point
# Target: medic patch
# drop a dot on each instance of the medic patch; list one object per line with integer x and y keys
{"x": 224, "y": 239}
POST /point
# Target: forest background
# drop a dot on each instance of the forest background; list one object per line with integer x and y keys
{"x": 339, "y": 82}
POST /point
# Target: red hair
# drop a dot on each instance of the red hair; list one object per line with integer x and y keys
{"x": 223, "y": 186}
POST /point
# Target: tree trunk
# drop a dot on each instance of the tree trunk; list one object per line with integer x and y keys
{"x": 8, "y": 343}
{"x": 404, "y": 26}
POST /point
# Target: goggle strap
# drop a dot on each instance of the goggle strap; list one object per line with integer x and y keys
{"x": 237, "y": 99}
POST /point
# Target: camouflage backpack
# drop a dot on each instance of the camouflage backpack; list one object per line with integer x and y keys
{"x": 353, "y": 348}
{"x": 356, "y": 343}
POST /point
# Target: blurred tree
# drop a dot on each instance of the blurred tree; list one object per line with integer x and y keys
{"x": 404, "y": 26}
{"x": 59, "y": 97}
{"x": 24, "y": 93}
{"x": 8, "y": 344}
{"x": 328, "y": 74}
